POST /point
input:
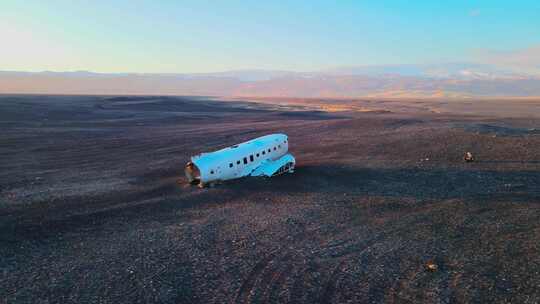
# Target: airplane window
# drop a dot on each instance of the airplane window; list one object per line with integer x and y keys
{"x": 230, "y": 165}
{"x": 245, "y": 160}
{"x": 257, "y": 155}
{"x": 238, "y": 162}
{"x": 212, "y": 172}
{"x": 279, "y": 146}
{"x": 251, "y": 157}
{"x": 264, "y": 152}
{"x": 274, "y": 148}
{"x": 269, "y": 150}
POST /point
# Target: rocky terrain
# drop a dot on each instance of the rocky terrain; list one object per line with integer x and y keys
{"x": 381, "y": 208}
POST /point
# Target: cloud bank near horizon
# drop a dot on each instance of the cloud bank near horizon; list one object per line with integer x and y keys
{"x": 526, "y": 60}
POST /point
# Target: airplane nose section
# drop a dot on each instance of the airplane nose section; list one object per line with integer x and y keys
{"x": 193, "y": 174}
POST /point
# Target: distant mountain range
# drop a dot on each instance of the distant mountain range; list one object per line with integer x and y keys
{"x": 435, "y": 80}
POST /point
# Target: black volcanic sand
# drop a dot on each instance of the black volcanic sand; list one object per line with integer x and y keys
{"x": 94, "y": 206}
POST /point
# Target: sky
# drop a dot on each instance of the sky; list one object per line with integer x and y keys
{"x": 209, "y": 36}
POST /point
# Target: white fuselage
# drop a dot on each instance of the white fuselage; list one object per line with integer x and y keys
{"x": 240, "y": 160}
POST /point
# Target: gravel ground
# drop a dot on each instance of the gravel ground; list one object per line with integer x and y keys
{"x": 94, "y": 206}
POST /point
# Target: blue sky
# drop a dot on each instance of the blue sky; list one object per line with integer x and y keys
{"x": 207, "y": 36}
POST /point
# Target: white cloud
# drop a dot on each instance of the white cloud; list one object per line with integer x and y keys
{"x": 526, "y": 60}
{"x": 474, "y": 13}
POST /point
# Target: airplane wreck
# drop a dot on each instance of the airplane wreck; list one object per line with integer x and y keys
{"x": 263, "y": 156}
